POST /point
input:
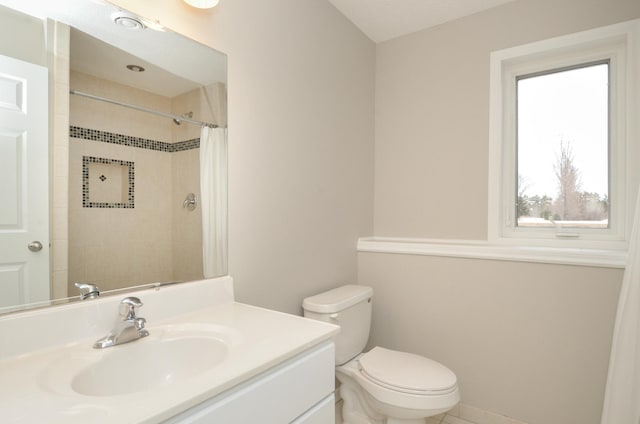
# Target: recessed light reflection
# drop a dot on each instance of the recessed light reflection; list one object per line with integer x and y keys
{"x": 135, "y": 68}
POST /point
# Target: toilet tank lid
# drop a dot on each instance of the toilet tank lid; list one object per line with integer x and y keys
{"x": 337, "y": 299}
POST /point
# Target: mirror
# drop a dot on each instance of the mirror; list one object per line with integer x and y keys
{"x": 132, "y": 168}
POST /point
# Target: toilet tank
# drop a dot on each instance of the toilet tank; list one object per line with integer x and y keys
{"x": 349, "y": 307}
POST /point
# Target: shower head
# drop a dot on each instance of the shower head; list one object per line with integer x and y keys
{"x": 178, "y": 121}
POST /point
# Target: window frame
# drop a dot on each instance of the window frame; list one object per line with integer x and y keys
{"x": 618, "y": 44}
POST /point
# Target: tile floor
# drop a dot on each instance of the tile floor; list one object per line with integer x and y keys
{"x": 461, "y": 414}
{"x": 440, "y": 419}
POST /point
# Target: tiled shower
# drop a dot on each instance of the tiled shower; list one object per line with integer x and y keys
{"x": 129, "y": 174}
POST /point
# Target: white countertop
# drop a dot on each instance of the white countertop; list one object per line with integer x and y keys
{"x": 34, "y": 390}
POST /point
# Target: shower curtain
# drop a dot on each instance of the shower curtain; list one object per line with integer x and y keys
{"x": 213, "y": 200}
{"x": 622, "y": 397}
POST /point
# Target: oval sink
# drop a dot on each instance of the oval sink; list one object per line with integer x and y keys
{"x": 168, "y": 355}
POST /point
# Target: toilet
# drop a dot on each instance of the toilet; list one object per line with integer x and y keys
{"x": 381, "y": 386}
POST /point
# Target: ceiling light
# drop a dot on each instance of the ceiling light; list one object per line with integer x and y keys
{"x": 202, "y": 4}
{"x": 135, "y": 68}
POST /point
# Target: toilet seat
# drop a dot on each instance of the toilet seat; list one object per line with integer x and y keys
{"x": 406, "y": 373}
{"x": 394, "y": 395}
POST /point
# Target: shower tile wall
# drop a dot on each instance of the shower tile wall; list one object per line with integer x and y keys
{"x": 123, "y": 247}
{"x": 106, "y": 117}
{"x": 187, "y": 224}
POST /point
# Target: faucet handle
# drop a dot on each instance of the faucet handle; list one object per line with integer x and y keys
{"x": 87, "y": 290}
{"x": 129, "y": 307}
{"x": 139, "y": 323}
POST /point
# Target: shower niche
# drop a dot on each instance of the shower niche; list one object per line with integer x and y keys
{"x": 107, "y": 183}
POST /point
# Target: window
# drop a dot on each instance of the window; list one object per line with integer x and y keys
{"x": 562, "y": 140}
{"x": 562, "y": 145}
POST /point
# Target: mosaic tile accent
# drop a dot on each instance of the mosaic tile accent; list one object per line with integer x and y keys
{"x": 86, "y": 203}
{"x": 130, "y": 141}
{"x": 194, "y": 143}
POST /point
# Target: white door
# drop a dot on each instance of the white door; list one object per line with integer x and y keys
{"x": 24, "y": 187}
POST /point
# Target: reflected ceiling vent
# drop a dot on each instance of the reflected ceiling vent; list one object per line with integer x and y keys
{"x": 127, "y": 20}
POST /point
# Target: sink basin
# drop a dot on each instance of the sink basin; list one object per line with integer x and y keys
{"x": 140, "y": 366}
{"x": 169, "y": 355}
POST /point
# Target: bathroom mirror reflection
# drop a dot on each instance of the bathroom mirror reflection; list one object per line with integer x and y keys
{"x": 137, "y": 154}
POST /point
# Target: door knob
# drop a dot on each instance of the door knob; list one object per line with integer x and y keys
{"x": 35, "y": 246}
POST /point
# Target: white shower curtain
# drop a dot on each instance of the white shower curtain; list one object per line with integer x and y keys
{"x": 213, "y": 200}
{"x": 622, "y": 397}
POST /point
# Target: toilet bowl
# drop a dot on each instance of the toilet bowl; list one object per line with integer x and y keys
{"x": 381, "y": 386}
{"x": 400, "y": 385}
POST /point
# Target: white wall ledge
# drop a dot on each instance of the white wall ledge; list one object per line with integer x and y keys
{"x": 478, "y": 249}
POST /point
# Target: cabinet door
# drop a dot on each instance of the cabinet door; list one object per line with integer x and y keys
{"x": 278, "y": 396}
{"x": 322, "y": 413}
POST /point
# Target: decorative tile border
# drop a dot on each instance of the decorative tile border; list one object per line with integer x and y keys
{"x": 180, "y": 146}
{"x": 86, "y": 203}
{"x": 130, "y": 141}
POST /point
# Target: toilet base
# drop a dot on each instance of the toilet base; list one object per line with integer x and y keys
{"x": 356, "y": 408}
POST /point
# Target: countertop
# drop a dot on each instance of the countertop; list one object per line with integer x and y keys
{"x": 34, "y": 389}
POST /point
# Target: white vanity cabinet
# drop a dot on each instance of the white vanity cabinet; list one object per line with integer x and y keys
{"x": 297, "y": 391}
{"x": 271, "y": 368}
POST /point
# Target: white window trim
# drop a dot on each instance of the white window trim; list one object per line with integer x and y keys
{"x": 479, "y": 249}
{"x": 619, "y": 42}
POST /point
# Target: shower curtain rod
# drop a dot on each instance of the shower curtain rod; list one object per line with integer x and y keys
{"x": 143, "y": 109}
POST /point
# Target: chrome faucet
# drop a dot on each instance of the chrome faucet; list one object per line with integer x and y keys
{"x": 87, "y": 290}
{"x": 129, "y": 329}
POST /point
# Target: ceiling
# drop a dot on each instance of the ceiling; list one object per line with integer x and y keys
{"x": 95, "y": 57}
{"x": 170, "y": 66}
{"x": 382, "y": 20}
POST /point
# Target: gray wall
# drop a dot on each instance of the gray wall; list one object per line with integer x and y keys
{"x": 530, "y": 341}
{"x": 301, "y": 98}
{"x": 526, "y": 340}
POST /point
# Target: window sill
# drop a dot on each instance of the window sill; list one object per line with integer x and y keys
{"x": 478, "y": 249}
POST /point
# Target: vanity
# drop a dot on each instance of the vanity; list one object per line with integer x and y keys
{"x": 206, "y": 359}
{"x": 120, "y": 214}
